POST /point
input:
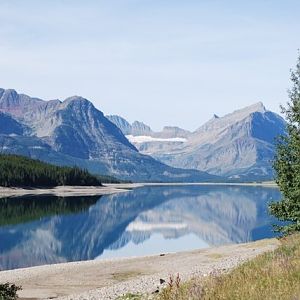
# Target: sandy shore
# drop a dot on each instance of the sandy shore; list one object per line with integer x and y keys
{"x": 107, "y": 279}
{"x": 65, "y": 191}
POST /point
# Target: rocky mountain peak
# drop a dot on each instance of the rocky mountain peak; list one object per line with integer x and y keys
{"x": 9, "y": 98}
{"x": 174, "y": 132}
{"x": 256, "y": 107}
{"x": 167, "y": 128}
{"x": 17, "y": 104}
{"x": 121, "y": 123}
{"x": 139, "y": 128}
{"x": 77, "y": 101}
{"x": 140, "y": 125}
{"x": 118, "y": 119}
{"x": 217, "y": 123}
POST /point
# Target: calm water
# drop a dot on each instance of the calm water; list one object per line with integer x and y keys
{"x": 46, "y": 230}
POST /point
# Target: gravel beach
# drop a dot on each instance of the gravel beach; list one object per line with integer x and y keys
{"x": 107, "y": 279}
{"x": 69, "y": 191}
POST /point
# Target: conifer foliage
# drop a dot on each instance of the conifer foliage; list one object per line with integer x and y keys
{"x": 287, "y": 162}
{"x": 21, "y": 171}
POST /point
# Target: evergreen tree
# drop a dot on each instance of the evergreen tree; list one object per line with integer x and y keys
{"x": 287, "y": 162}
{"x": 22, "y": 171}
{"x": 19, "y": 171}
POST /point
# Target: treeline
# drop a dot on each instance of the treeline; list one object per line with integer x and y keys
{"x": 18, "y": 171}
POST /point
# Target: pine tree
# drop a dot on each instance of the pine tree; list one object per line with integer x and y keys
{"x": 21, "y": 171}
{"x": 287, "y": 162}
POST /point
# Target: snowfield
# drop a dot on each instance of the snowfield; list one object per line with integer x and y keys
{"x": 145, "y": 139}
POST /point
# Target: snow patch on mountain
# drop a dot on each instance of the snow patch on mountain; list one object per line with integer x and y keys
{"x": 145, "y": 139}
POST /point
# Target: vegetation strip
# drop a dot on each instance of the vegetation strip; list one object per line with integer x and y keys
{"x": 19, "y": 171}
{"x": 270, "y": 276}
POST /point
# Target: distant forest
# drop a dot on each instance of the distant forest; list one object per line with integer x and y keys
{"x": 18, "y": 171}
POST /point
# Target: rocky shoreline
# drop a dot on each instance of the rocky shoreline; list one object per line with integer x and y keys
{"x": 108, "y": 279}
{"x": 68, "y": 191}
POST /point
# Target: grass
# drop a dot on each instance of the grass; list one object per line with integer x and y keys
{"x": 215, "y": 255}
{"x": 123, "y": 276}
{"x": 273, "y": 275}
{"x": 130, "y": 296}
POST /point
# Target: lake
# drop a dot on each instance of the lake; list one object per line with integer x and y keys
{"x": 37, "y": 230}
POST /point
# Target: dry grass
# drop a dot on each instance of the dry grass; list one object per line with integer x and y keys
{"x": 215, "y": 255}
{"x": 123, "y": 276}
{"x": 130, "y": 296}
{"x": 273, "y": 275}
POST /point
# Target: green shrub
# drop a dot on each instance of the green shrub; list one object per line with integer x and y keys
{"x": 9, "y": 291}
{"x": 287, "y": 163}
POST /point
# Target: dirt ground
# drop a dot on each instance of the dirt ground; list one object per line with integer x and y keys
{"x": 107, "y": 279}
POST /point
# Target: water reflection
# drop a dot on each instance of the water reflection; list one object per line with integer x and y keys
{"x": 45, "y": 230}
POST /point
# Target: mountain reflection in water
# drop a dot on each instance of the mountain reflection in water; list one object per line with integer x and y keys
{"x": 46, "y": 229}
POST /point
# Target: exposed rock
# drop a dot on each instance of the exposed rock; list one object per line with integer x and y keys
{"x": 74, "y": 132}
{"x": 239, "y": 145}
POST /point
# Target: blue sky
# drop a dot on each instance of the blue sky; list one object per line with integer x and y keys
{"x": 166, "y": 62}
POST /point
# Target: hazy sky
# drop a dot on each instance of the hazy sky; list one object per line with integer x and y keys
{"x": 164, "y": 62}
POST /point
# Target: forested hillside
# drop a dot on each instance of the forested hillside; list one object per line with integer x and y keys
{"x": 21, "y": 171}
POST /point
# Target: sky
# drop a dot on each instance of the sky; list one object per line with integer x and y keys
{"x": 163, "y": 62}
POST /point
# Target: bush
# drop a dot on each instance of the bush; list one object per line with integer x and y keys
{"x": 287, "y": 163}
{"x": 9, "y": 291}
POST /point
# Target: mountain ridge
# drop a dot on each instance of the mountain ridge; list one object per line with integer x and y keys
{"x": 238, "y": 145}
{"x": 74, "y": 132}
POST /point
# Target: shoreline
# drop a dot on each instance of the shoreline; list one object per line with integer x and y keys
{"x": 111, "y": 188}
{"x": 110, "y": 278}
{"x": 68, "y": 191}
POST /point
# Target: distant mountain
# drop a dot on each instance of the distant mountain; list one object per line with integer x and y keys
{"x": 138, "y": 128}
{"x": 149, "y": 142}
{"x": 74, "y": 132}
{"x": 239, "y": 145}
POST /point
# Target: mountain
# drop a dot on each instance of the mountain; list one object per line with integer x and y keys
{"x": 138, "y": 128}
{"x": 239, "y": 145}
{"x": 74, "y": 132}
{"x": 149, "y": 142}
{"x": 10, "y": 126}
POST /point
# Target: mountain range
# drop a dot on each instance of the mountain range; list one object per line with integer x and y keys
{"x": 74, "y": 132}
{"x": 239, "y": 145}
